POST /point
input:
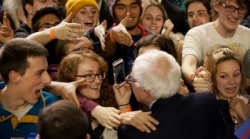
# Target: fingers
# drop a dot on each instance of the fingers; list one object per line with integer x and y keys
{"x": 125, "y": 20}
{"x": 79, "y": 82}
{"x": 68, "y": 18}
{"x": 202, "y": 72}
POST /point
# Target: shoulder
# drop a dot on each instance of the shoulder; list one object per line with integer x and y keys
{"x": 242, "y": 29}
{"x": 49, "y": 98}
{"x": 2, "y": 85}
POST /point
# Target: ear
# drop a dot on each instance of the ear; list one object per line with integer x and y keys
{"x": 29, "y": 8}
{"x": 146, "y": 93}
{"x": 14, "y": 76}
{"x": 216, "y": 7}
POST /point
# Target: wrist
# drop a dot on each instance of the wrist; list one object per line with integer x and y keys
{"x": 51, "y": 32}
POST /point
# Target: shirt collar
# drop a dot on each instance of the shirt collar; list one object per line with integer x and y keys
{"x": 152, "y": 103}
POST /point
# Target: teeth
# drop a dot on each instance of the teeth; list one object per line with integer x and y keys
{"x": 152, "y": 27}
{"x": 233, "y": 20}
{"x": 230, "y": 89}
{"x": 94, "y": 87}
{"x": 88, "y": 22}
{"x": 130, "y": 19}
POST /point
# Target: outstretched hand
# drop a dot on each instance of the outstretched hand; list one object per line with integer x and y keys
{"x": 68, "y": 31}
{"x": 120, "y": 33}
{"x": 100, "y": 33}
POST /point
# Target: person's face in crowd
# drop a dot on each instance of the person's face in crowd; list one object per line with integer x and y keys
{"x": 40, "y": 3}
{"x": 90, "y": 90}
{"x": 34, "y": 79}
{"x": 197, "y": 14}
{"x": 228, "y": 79}
{"x": 48, "y": 21}
{"x": 87, "y": 17}
{"x": 82, "y": 44}
{"x": 138, "y": 91}
{"x": 229, "y": 21}
{"x": 128, "y": 6}
{"x": 152, "y": 19}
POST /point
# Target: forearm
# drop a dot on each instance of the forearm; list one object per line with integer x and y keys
{"x": 41, "y": 37}
{"x": 189, "y": 66}
{"x": 110, "y": 47}
{"x": 53, "y": 88}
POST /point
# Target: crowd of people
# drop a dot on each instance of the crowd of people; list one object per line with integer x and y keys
{"x": 187, "y": 71}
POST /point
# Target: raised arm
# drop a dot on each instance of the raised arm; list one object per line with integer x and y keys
{"x": 117, "y": 34}
{"x": 63, "y": 31}
{"x": 6, "y": 33}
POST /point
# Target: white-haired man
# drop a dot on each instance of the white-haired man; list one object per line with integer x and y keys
{"x": 155, "y": 80}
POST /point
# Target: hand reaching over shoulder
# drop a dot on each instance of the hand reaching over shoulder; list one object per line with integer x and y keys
{"x": 108, "y": 117}
{"x": 240, "y": 108}
{"x": 140, "y": 120}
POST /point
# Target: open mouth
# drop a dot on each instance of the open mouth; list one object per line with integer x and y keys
{"x": 230, "y": 90}
{"x": 89, "y": 23}
{"x": 38, "y": 93}
{"x": 153, "y": 28}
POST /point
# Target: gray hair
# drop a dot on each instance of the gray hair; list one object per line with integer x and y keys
{"x": 157, "y": 72}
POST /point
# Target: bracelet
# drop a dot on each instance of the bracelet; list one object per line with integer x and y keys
{"x": 191, "y": 78}
{"x": 127, "y": 110}
{"x": 110, "y": 35}
{"x": 51, "y": 31}
{"x": 123, "y": 104}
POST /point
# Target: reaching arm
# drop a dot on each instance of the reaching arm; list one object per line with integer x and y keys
{"x": 63, "y": 31}
{"x": 189, "y": 66}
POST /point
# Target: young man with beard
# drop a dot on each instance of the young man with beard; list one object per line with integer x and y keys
{"x": 24, "y": 69}
{"x": 125, "y": 32}
{"x": 225, "y": 30}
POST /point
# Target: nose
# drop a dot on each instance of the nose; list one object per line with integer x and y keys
{"x": 235, "y": 14}
{"x": 195, "y": 17}
{"x": 153, "y": 21}
{"x": 46, "y": 78}
{"x": 97, "y": 80}
{"x": 231, "y": 80}
{"x": 90, "y": 14}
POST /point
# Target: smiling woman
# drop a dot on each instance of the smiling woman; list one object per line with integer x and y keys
{"x": 84, "y": 12}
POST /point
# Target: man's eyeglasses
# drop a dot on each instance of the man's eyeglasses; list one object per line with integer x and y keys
{"x": 230, "y": 8}
{"x": 45, "y": 26}
{"x": 129, "y": 79}
{"x": 91, "y": 77}
{"x": 82, "y": 48}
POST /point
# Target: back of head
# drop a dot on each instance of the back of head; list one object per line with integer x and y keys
{"x": 14, "y": 55}
{"x": 222, "y": 55}
{"x": 157, "y": 72}
{"x": 164, "y": 43}
{"x": 75, "y": 5}
{"x": 48, "y": 9}
{"x": 62, "y": 120}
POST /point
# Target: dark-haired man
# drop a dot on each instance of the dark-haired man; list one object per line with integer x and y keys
{"x": 24, "y": 70}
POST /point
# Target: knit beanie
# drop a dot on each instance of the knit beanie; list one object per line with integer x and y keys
{"x": 75, "y": 5}
{"x": 112, "y": 4}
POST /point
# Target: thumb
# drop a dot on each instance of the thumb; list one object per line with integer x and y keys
{"x": 68, "y": 18}
{"x": 79, "y": 82}
{"x": 125, "y": 20}
{"x": 104, "y": 24}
